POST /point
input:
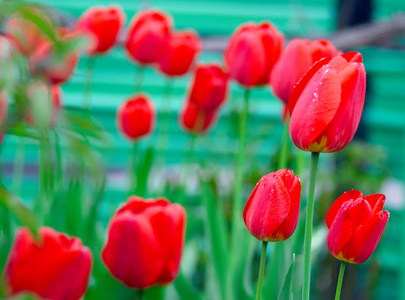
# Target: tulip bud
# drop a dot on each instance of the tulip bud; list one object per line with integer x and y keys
{"x": 147, "y": 35}
{"x": 103, "y": 25}
{"x": 209, "y": 88}
{"x": 326, "y": 104}
{"x": 196, "y": 120}
{"x": 136, "y": 117}
{"x": 145, "y": 242}
{"x": 272, "y": 210}
{"x": 179, "y": 53}
{"x": 355, "y": 224}
{"x": 295, "y": 60}
{"x": 252, "y": 52}
{"x": 54, "y": 267}
{"x": 46, "y": 63}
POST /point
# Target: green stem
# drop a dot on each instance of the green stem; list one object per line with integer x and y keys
{"x": 163, "y": 130}
{"x": 261, "y": 271}
{"x": 308, "y": 225}
{"x": 282, "y": 163}
{"x": 340, "y": 280}
{"x": 140, "y": 294}
{"x": 237, "y": 200}
{"x": 134, "y": 165}
{"x": 138, "y": 79}
{"x": 88, "y": 83}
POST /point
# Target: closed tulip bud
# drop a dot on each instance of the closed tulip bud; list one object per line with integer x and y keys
{"x": 272, "y": 210}
{"x": 252, "y": 52}
{"x": 43, "y": 109}
{"x": 196, "y": 120}
{"x": 136, "y": 117}
{"x": 145, "y": 242}
{"x": 102, "y": 25}
{"x": 147, "y": 35}
{"x": 54, "y": 267}
{"x": 326, "y": 104}
{"x": 209, "y": 88}
{"x": 181, "y": 50}
{"x": 355, "y": 224}
{"x": 47, "y": 64}
{"x": 294, "y": 62}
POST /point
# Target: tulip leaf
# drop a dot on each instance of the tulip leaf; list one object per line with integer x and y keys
{"x": 286, "y": 291}
{"x": 142, "y": 173}
{"x": 17, "y": 208}
{"x": 185, "y": 289}
{"x": 44, "y": 25}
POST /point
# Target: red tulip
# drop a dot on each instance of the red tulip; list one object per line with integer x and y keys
{"x": 196, "y": 120}
{"x": 55, "y": 267}
{"x": 40, "y": 113}
{"x": 24, "y": 34}
{"x": 271, "y": 212}
{"x": 295, "y": 60}
{"x": 180, "y": 52}
{"x": 103, "y": 25}
{"x": 45, "y": 61}
{"x": 145, "y": 242}
{"x": 136, "y": 117}
{"x": 326, "y": 104}
{"x": 355, "y": 224}
{"x": 147, "y": 35}
{"x": 209, "y": 87}
{"x": 252, "y": 52}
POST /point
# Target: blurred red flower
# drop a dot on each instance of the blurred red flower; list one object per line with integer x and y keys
{"x": 252, "y": 52}
{"x": 196, "y": 120}
{"x": 136, "y": 117}
{"x": 145, "y": 242}
{"x": 272, "y": 210}
{"x": 295, "y": 61}
{"x": 180, "y": 51}
{"x": 54, "y": 267}
{"x": 103, "y": 25}
{"x": 146, "y": 36}
{"x": 326, "y": 104}
{"x": 355, "y": 224}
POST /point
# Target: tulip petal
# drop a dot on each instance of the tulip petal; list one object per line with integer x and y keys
{"x": 341, "y": 230}
{"x": 376, "y": 201}
{"x": 333, "y": 210}
{"x": 315, "y": 109}
{"x": 360, "y": 213}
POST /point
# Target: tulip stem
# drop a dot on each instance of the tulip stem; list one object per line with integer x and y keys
{"x": 140, "y": 294}
{"x": 133, "y": 170}
{"x": 138, "y": 79}
{"x": 282, "y": 163}
{"x": 308, "y": 225}
{"x": 340, "y": 280}
{"x": 237, "y": 200}
{"x": 261, "y": 271}
{"x": 88, "y": 83}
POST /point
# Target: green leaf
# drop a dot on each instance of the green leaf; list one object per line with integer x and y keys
{"x": 142, "y": 173}
{"x": 286, "y": 291}
{"x": 30, "y": 13}
{"x": 185, "y": 289}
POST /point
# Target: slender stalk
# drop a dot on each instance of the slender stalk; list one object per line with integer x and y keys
{"x": 308, "y": 225}
{"x": 340, "y": 280}
{"x": 140, "y": 294}
{"x": 163, "y": 130}
{"x": 261, "y": 271}
{"x": 138, "y": 79}
{"x": 133, "y": 166}
{"x": 282, "y": 163}
{"x": 88, "y": 83}
{"x": 237, "y": 200}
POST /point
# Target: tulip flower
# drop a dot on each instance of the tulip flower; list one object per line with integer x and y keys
{"x": 271, "y": 212}
{"x": 23, "y": 34}
{"x": 326, "y": 104}
{"x": 40, "y": 113}
{"x": 295, "y": 60}
{"x": 103, "y": 25}
{"x": 252, "y": 52}
{"x": 355, "y": 224}
{"x": 145, "y": 242}
{"x": 209, "y": 88}
{"x": 136, "y": 117}
{"x": 54, "y": 267}
{"x": 196, "y": 120}
{"x": 46, "y": 62}
{"x": 180, "y": 51}
{"x": 147, "y": 35}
